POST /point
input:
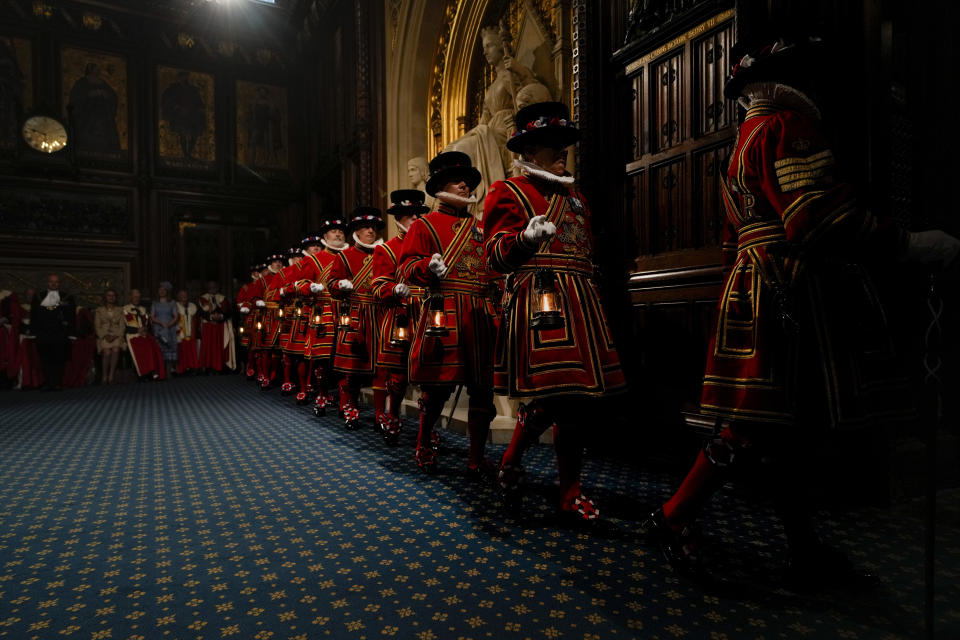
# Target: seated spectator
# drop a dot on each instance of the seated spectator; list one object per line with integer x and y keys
{"x": 110, "y": 328}
{"x": 164, "y": 322}
{"x": 188, "y": 360}
{"x": 144, "y": 350}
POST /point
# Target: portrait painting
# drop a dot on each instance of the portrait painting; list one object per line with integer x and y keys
{"x": 16, "y": 87}
{"x": 262, "y": 122}
{"x": 186, "y": 124}
{"x": 94, "y": 99}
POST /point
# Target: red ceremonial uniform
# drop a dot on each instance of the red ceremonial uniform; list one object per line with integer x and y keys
{"x": 390, "y": 308}
{"x": 216, "y": 332}
{"x": 187, "y": 330}
{"x": 270, "y": 336}
{"x": 292, "y": 331}
{"x": 320, "y": 324}
{"x": 791, "y": 227}
{"x": 579, "y": 358}
{"x": 243, "y": 302}
{"x": 144, "y": 350}
{"x": 82, "y": 352}
{"x": 10, "y": 316}
{"x": 355, "y": 346}
{"x": 464, "y": 356}
{"x": 320, "y": 335}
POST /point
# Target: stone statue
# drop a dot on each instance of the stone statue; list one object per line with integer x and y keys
{"x": 418, "y": 171}
{"x": 486, "y": 143}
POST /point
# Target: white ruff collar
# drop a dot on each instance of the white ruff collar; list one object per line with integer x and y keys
{"x": 51, "y": 300}
{"x": 365, "y": 245}
{"x": 530, "y": 169}
{"x": 332, "y": 247}
{"x": 272, "y": 270}
{"x": 456, "y": 200}
{"x": 403, "y": 229}
{"x": 780, "y": 94}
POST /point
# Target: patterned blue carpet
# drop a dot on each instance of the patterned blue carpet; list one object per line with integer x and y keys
{"x": 201, "y": 508}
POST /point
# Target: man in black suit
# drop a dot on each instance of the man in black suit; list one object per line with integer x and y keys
{"x": 53, "y": 317}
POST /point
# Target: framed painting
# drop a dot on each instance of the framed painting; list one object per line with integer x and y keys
{"x": 94, "y": 96}
{"x": 262, "y": 129}
{"x": 186, "y": 122}
{"x": 16, "y": 87}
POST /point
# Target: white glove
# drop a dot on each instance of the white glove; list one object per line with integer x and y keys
{"x": 539, "y": 230}
{"x": 316, "y": 287}
{"x": 345, "y": 285}
{"x": 437, "y": 266}
{"x": 244, "y": 310}
{"x": 401, "y": 290}
{"x": 71, "y": 337}
{"x": 931, "y": 247}
{"x": 261, "y": 303}
{"x": 282, "y": 292}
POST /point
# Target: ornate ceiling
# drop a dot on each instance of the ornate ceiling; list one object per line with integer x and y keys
{"x": 231, "y": 14}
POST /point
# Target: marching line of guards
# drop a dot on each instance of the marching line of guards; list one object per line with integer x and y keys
{"x": 504, "y": 305}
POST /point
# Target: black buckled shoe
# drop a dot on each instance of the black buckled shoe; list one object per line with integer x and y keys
{"x": 679, "y": 547}
{"x": 351, "y": 417}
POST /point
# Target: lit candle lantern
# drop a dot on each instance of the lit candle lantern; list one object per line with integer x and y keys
{"x": 281, "y": 312}
{"x": 317, "y": 327}
{"x": 241, "y": 330}
{"x": 299, "y": 311}
{"x": 437, "y": 318}
{"x": 546, "y": 302}
{"x": 344, "y": 319}
{"x": 400, "y": 335}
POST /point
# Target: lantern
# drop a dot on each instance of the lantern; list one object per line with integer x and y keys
{"x": 344, "y": 320}
{"x": 400, "y": 334}
{"x": 546, "y": 302}
{"x": 317, "y": 326}
{"x": 259, "y": 326}
{"x": 436, "y": 317}
{"x": 281, "y": 312}
{"x": 241, "y": 331}
{"x": 299, "y": 311}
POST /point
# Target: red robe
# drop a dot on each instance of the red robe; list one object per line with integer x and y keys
{"x": 800, "y": 332}
{"x": 579, "y": 358}
{"x": 144, "y": 350}
{"x": 187, "y": 350}
{"x": 464, "y": 356}
{"x": 390, "y": 308}
{"x": 216, "y": 331}
{"x": 82, "y": 352}
{"x": 319, "y": 317}
{"x": 355, "y": 346}
{"x": 10, "y": 316}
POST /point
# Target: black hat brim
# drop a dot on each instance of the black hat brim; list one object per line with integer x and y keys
{"x": 787, "y": 67}
{"x": 550, "y": 135}
{"x": 398, "y": 211}
{"x": 470, "y": 175}
{"x": 379, "y": 224}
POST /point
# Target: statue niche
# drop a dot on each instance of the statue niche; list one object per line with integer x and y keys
{"x": 513, "y": 86}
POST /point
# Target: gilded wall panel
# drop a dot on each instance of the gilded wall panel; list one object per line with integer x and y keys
{"x": 94, "y": 96}
{"x": 16, "y": 87}
{"x": 186, "y": 123}
{"x": 262, "y": 126}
